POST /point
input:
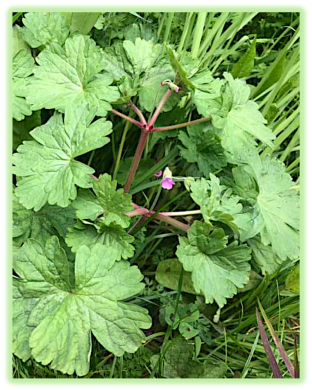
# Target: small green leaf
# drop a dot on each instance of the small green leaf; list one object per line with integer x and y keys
{"x": 293, "y": 280}
{"x": 82, "y": 22}
{"x": 168, "y": 274}
{"x": 22, "y": 67}
{"x": 115, "y": 203}
{"x": 21, "y": 129}
{"x": 202, "y": 146}
{"x": 245, "y": 64}
{"x": 217, "y": 270}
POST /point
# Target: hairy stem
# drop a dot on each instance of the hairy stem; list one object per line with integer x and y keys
{"x": 190, "y": 123}
{"x": 136, "y": 160}
{"x": 159, "y": 108}
{"x": 127, "y": 118}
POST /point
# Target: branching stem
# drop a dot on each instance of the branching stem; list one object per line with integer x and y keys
{"x": 180, "y": 125}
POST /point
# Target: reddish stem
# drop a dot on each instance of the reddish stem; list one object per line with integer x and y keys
{"x": 140, "y": 125}
{"x": 159, "y": 108}
{"x": 136, "y": 160}
{"x": 139, "y": 113}
{"x": 190, "y": 123}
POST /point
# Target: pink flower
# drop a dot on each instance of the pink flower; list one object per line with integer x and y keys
{"x": 158, "y": 174}
{"x": 177, "y": 89}
{"x": 167, "y": 183}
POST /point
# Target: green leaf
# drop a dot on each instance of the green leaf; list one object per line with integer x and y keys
{"x": 276, "y": 213}
{"x": 113, "y": 236}
{"x": 41, "y": 225}
{"x": 22, "y": 128}
{"x": 71, "y": 76}
{"x": 264, "y": 256}
{"x": 87, "y": 206}
{"x": 151, "y": 91}
{"x": 142, "y": 55}
{"x": 168, "y": 274}
{"x": 64, "y": 315}
{"x": 42, "y": 28}
{"x": 239, "y": 120}
{"x": 187, "y": 330}
{"x": 217, "y": 269}
{"x": 114, "y": 203}
{"x": 22, "y": 67}
{"x": 46, "y": 167}
{"x": 293, "y": 280}
{"x": 183, "y": 68}
{"x": 18, "y": 42}
{"x": 217, "y": 203}
{"x": 82, "y": 22}
{"x": 178, "y": 363}
{"x": 245, "y": 64}
{"x": 203, "y": 147}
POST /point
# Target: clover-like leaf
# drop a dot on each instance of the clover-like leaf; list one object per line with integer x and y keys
{"x": 63, "y": 316}
{"x": 203, "y": 147}
{"x": 275, "y": 212}
{"x": 218, "y": 269}
{"x": 46, "y": 167}
{"x": 72, "y": 76}
{"x": 22, "y": 67}
{"x": 41, "y": 225}
{"x": 112, "y": 235}
{"x": 42, "y": 28}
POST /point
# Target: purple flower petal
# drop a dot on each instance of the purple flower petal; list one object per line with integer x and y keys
{"x": 158, "y": 174}
{"x": 167, "y": 183}
{"x": 177, "y": 89}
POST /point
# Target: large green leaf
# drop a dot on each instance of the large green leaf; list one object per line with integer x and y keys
{"x": 63, "y": 315}
{"x": 42, "y": 28}
{"x": 203, "y": 147}
{"x": 46, "y": 167}
{"x": 22, "y": 67}
{"x": 72, "y": 76}
{"x": 218, "y": 269}
{"x": 113, "y": 236}
{"x": 275, "y": 213}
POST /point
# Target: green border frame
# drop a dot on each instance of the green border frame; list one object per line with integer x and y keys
{"x": 305, "y": 300}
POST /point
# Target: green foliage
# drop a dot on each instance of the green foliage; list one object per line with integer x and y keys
{"x": 232, "y": 213}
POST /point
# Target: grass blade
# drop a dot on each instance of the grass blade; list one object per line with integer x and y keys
{"x": 266, "y": 344}
{"x": 280, "y": 348}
